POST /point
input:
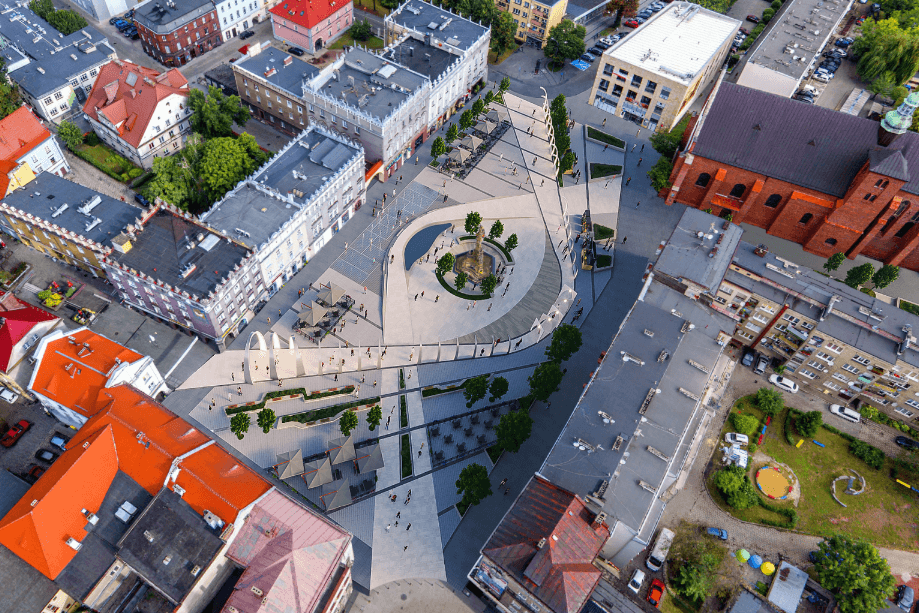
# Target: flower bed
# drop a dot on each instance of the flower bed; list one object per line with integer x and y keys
{"x": 291, "y": 393}
{"x": 328, "y": 412}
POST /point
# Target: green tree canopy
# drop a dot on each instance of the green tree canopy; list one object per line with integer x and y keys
{"x": 566, "y": 340}
{"x": 460, "y": 281}
{"x": 696, "y": 579}
{"x": 347, "y": 422}
{"x": 475, "y": 389}
{"x": 360, "y": 30}
{"x": 834, "y": 262}
{"x": 390, "y": 4}
{"x": 224, "y": 163}
{"x": 445, "y": 263}
{"x": 625, "y": 8}
{"x": 660, "y": 174}
{"x": 545, "y": 380}
{"x": 374, "y": 417}
{"x": 859, "y": 275}
{"x": 239, "y": 424}
{"x": 438, "y": 148}
{"x": 770, "y": 401}
{"x": 566, "y": 42}
{"x": 885, "y": 275}
{"x": 452, "y": 134}
{"x": 511, "y": 243}
{"x": 488, "y": 284}
{"x": 171, "y": 182}
{"x": 473, "y": 221}
{"x": 513, "y": 430}
{"x": 473, "y": 484}
{"x": 478, "y": 107}
{"x": 886, "y": 49}
{"x": 497, "y": 389}
{"x": 503, "y": 30}
{"x": 808, "y": 423}
{"x": 266, "y": 419}
{"x": 667, "y": 143}
{"x": 214, "y": 114}
{"x": 497, "y": 229}
{"x": 9, "y": 93}
{"x": 64, "y": 21}
{"x": 856, "y": 573}
{"x": 70, "y": 134}
{"x": 736, "y": 487}
{"x": 504, "y": 85}
{"x": 467, "y": 120}
{"x": 567, "y": 162}
{"x": 490, "y": 95}
{"x": 744, "y": 424}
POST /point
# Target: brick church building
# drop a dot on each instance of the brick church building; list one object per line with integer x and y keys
{"x": 826, "y": 180}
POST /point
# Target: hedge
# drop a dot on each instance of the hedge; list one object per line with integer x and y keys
{"x": 456, "y": 292}
{"x": 403, "y": 413}
{"x": 434, "y": 391}
{"x": 331, "y": 411}
{"x": 288, "y": 392}
{"x": 406, "y": 456}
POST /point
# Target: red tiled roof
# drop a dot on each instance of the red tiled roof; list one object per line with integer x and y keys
{"x": 141, "y": 438}
{"x": 78, "y": 386}
{"x": 307, "y": 13}
{"x": 20, "y": 132}
{"x": 18, "y": 318}
{"x": 129, "y": 102}
{"x": 561, "y": 573}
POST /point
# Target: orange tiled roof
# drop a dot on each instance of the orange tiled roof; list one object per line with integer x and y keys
{"x": 306, "y": 12}
{"x": 20, "y": 132}
{"x": 78, "y": 386}
{"x": 141, "y": 438}
{"x": 128, "y": 94}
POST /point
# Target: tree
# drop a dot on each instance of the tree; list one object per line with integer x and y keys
{"x": 738, "y": 492}
{"x": 694, "y": 579}
{"x": 390, "y": 4}
{"x": 70, "y": 134}
{"x": 64, "y": 21}
{"x": 490, "y": 95}
{"x": 171, "y": 183}
{"x": 566, "y": 42}
{"x": 511, "y": 243}
{"x": 545, "y": 380}
{"x": 744, "y": 424}
{"x": 626, "y": 8}
{"x": 473, "y": 221}
{"x": 473, "y": 484}
{"x": 374, "y": 417}
{"x": 239, "y": 424}
{"x": 668, "y": 143}
{"x": 475, "y": 389}
{"x": 438, "y": 148}
{"x": 660, "y": 174}
{"x": 445, "y": 263}
{"x": 513, "y": 430}
{"x": 808, "y": 423}
{"x": 348, "y": 422}
{"x": 214, "y": 114}
{"x": 567, "y": 162}
{"x": 497, "y": 389}
{"x": 769, "y": 401}
{"x": 504, "y": 85}
{"x": 859, "y": 275}
{"x": 360, "y": 30}
{"x": 886, "y": 50}
{"x": 855, "y": 572}
{"x": 452, "y": 133}
{"x": 503, "y": 30}
{"x": 497, "y": 229}
{"x": 478, "y": 107}
{"x": 834, "y": 262}
{"x": 9, "y": 93}
{"x": 489, "y": 284}
{"x": 266, "y": 419}
{"x": 885, "y": 275}
{"x": 460, "y": 281}
{"x": 225, "y": 162}
{"x": 467, "y": 120}
{"x": 566, "y": 340}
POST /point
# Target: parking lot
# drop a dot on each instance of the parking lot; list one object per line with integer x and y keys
{"x": 20, "y": 458}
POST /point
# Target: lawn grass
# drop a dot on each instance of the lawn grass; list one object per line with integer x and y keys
{"x": 604, "y": 261}
{"x": 907, "y": 306}
{"x": 504, "y": 55}
{"x": 879, "y": 515}
{"x": 406, "y": 456}
{"x": 434, "y": 391}
{"x": 447, "y": 286}
{"x": 602, "y": 232}
{"x": 371, "y": 43}
{"x": 403, "y": 412}
{"x": 331, "y": 411}
{"x": 108, "y": 161}
{"x": 494, "y": 452}
{"x": 603, "y": 137}
{"x": 598, "y": 171}
{"x": 401, "y": 379}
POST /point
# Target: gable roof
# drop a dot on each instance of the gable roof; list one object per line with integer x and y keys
{"x": 560, "y": 573}
{"x": 127, "y": 95}
{"x": 306, "y": 12}
{"x": 17, "y": 319}
{"x": 888, "y": 162}
{"x": 803, "y": 144}
{"x": 20, "y": 132}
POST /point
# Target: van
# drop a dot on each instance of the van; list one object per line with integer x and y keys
{"x": 661, "y": 548}
{"x": 845, "y": 413}
{"x": 761, "y": 365}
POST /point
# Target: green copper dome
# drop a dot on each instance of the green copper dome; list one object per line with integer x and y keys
{"x": 898, "y": 121}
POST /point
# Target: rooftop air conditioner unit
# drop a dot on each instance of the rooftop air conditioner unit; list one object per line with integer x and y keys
{"x": 74, "y": 544}
{"x": 257, "y": 591}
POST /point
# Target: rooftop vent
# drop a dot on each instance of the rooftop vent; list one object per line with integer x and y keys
{"x": 167, "y": 560}
{"x": 148, "y": 535}
{"x": 195, "y": 571}
{"x": 74, "y": 544}
{"x": 257, "y": 591}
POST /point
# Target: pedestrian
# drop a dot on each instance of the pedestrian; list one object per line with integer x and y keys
{"x": 422, "y": 293}
{"x": 604, "y": 121}
{"x": 408, "y": 527}
{"x": 642, "y": 148}
{"x": 392, "y": 259}
{"x": 503, "y": 481}
{"x": 605, "y": 147}
{"x": 436, "y": 298}
{"x": 352, "y": 353}
{"x": 388, "y": 526}
{"x": 483, "y": 353}
{"x": 637, "y": 204}
{"x": 269, "y": 320}
{"x": 397, "y": 524}
{"x": 409, "y": 494}
{"x": 548, "y": 404}
{"x": 374, "y": 383}
{"x": 578, "y": 302}
{"x": 419, "y": 453}
{"x": 404, "y": 549}
{"x": 398, "y": 514}
{"x": 232, "y": 376}
{"x": 624, "y": 239}
{"x": 507, "y": 491}
{"x": 638, "y": 133}
{"x": 416, "y": 297}
{"x": 542, "y": 183}
{"x": 239, "y": 390}
{"x": 633, "y": 147}
{"x": 639, "y": 161}
{"x": 336, "y": 376}
{"x": 629, "y": 180}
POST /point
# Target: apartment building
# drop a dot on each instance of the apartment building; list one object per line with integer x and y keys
{"x": 450, "y": 50}
{"x": 21, "y": 327}
{"x": 175, "y": 31}
{"x": 27, "y": 149}
{"x": 653, "y": 75}
{"x": 288, "y": 209}
{"x": 235, "y": 16}
{"x": 141, "y": 113}
{"x": 270, "y": 83}
{"x": 534, "y": 19}
{"x": 312, "y": 26}
{"x": 66, "y": 221}
{"x": 55, "y": 73}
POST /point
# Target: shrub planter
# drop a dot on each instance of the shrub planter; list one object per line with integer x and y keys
{"x": 602, "y": 138}
{"x": 312, "y": 418}
{"x": 288, "y": 394}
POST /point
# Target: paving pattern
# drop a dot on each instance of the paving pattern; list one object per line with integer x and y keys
{"x": 449, "y": 522}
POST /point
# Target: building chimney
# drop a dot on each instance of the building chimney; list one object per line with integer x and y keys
{"x": 761, "y": 251}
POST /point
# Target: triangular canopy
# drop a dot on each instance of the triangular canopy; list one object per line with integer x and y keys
{"x": 317, "y": 472}
{"x": 496, "y": 115}
{"x": 331, "y": 295}
{"x": 486, "y": 126}
{"x": 341, "y": 450}
{"x": 314, "y": 314}
{"x": 458, "y": 155}
{"x": 372, "y": 459}
{"x": 470, "y": 142}
{"x": 337, "y": 496}
{"x": 292, "y": 464}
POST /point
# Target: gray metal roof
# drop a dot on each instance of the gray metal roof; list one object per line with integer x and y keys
{"x": 12, "y": 488}
{"x": 287, "y": 75}
{"x": 619, "y": 389}
{"x": 700, "y": 249}
{"x": 250, "y": 215}
{"x": 59, "y": 57}
{"x": 888, "y": 162}
{"x": 787, "y": 587}
{"x": 164, "y": 16}
{"x": 24, "y": 588}
{"x": 161, "y": 250}
{"x": 74, "y": 207}
{"x": 429, "y": 60}
{"x": 803, "y": 144}
{"x": 748, "y": 603}
{"x": 420, "y": 16}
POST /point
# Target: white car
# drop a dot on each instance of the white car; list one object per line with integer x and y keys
{"x": 638, "y": 577}
{"x": 733, "y": 438}
{"x": 9, "y": 396}
{"x": 784, "y": 384}
{"x": 846, "y": 413}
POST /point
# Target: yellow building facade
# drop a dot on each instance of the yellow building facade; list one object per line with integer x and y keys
{"x": 534, "y": 19}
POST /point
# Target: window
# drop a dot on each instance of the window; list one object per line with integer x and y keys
{"x": 904, "y": 412}
{"x": 825, "y": 357}
{"x": 834, "y": 347}
{"x": 58, "y": 95}
{"x": 840, "y": 377}
{"x": 773, "y": 201}
{"x": 760, "y": 318}
{"x": 831, "y": 242}
{"x": 703, "y": 179}
{"x": 645, "y": 101}
{"x": 665, "y": 93}
{"x": 833, "y": 386}
{"x": 636, "y": 81}
{"x": 862, "y": 360}
{"x": 738, "y": 190}
{"x": 806, "y": 373}
{"x": 792, "y": 319}
{"x": 608, "y": 70}
{"x": 912, "y": 403}
{"x": 650, "y": 87}
{"x": 904, "y": 229}
{"x": 805, "y": 218}
{"x": 604, "y": 85}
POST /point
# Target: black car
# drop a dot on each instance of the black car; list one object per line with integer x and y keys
{"x": 596, "y": 51}
{"x": 141, "y": 200}
{"x": 748, "y": 357}
{"x": 46, "y": 456}
{"x": 112, "y": 21}
{"x": 295, "y": 51}
{"x": 603, "y": 45}
{"x": 246, "y": 34}
{"x": 906, "y": 442}
{"x": 803, "y": 99}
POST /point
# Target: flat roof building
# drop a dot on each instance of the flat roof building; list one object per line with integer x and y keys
{"x": 652, "y": 76}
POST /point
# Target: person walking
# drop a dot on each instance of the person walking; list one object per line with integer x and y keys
{"x": 388, "y": 526}
{"x": 416, "y": 297}
{"x": 629, "y": 180}
{"x": 638, "y": 204}
{"x": 507, "y": 491}
{"x": 398, "y": 514}
{"x": 408, "y": 527}
{"x": 436, "y": 298}
{"x": 633, "y": 147}
{"x": 639, "y": 161}
{"x": 625, "y": 238}
{"x": 503, "y": 481}
{"x": 404, "y": 549}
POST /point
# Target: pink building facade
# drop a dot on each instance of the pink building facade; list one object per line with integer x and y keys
{"x": 311, "y": 26}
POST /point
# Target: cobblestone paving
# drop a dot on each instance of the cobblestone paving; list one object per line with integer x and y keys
{"x": 89, "y": 176}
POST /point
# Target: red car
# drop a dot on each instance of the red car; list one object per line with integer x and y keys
{"x": 753, "y": 18}
{"x": 745, "y": 32}
{"x": 9, "y": 439}
{"x": 631, "y": 23}
{"x": 656, "y": 593}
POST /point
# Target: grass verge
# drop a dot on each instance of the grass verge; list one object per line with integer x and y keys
{"x": 602, "y": 232}
{"x": 331, "y": 411}
{"x": 109, "y": 162}
{"x": 296, "y": 391}
{"x": 403, "y": 412}
{"x": 603, "y": 137}
{"x": 604, "y": 261}
{"x": 371, "y": 43}
{"x": 598, "y": 171}
{"x": 401, "y": 379}
{"x": 462, "y": 507}
{"x": 494, "y": 452}
{"x": 434, "y": 391}
{"x": 456, "y": 292}
{"x": 406, "y": 456}
{"x": 907, "y": 306}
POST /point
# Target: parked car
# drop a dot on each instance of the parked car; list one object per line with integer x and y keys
{"x": 246, "y": 34}
{"x": 784, "y": 383}
{"x": 822, "y": 77}
{"x": 8, "y": 395}
{"x": 845, "y": 413}
{"x": 905, "y": 597}
{"x": 753, "y": 18}
{"x": 112, "y": 21}
{"x": 640, "y": 20}
{"x": 46, "y": 456}
{"x": 631, "y": 23}
{"x": 59, "y": 441}
{"x": 645, "y": 14}
{"x": 718, "y": 533}
{"x": 748, "y": 357}
{"x": 296, "y": 51}
{"x": 35, "y": 472}
{"x": 843, "y": 42}
{"x": 906, "y": 442}
{"x": 638, "y": 577}
{"x": 804, "y": 99}
{"x": 587, "y": 58}
{"x": 744, "y": 31}
{"x": 733, "y": 438}
{"x": 15, "y": 433}
{"x": 656, "y": 593}
{"x": 761, "y": 365}
{"x": 141, "y": 200}
{"x": 602, "y": 45}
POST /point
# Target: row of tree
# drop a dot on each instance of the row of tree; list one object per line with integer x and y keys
{"x": 558, "y": 113}
{"x": 467, "y": 120}
{"x": 860, "y": 275}
{"x": 239, "y": 423}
